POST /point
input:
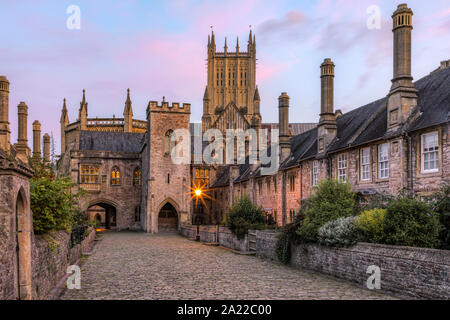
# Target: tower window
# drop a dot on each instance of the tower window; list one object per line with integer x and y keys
{"x": 115, "y": 176}
{"x": 137, "y": 177}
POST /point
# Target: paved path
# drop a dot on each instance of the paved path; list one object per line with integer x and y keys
{"x": 133, "y": 265}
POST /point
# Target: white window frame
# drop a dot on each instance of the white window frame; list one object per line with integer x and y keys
{"x": 365, "y": 164}
{"x": 315, "y": 173}
{"x": 342, "y": 167}
{"x": 428, "y": 151}
{"x": 383, "y": 161}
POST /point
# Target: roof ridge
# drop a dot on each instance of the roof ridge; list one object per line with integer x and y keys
{"x": 366, "y": 123}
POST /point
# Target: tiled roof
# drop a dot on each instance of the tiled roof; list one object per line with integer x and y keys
{"x": 111, "y": 141}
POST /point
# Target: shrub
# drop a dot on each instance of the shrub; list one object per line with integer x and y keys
{"x": 441, "y": 205}
{"x": 287, "y": 237}
{"x": 244, "y": 215}
{"x": 54, "y": 205}
{"x": 332, "y": 200}
{"x": 410, "y": 222}
{"x": 370, "y": 225}
{"x": 340, "y": 232}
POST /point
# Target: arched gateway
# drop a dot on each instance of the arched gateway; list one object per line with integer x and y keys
{"x": 168, "y": 218}
{"x": 104, "y": 212}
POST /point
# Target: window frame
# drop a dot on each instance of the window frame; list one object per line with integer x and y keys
{"x": 342, "y": 166}
{"x": 115, "y": 181}
{"x": 138, "y": 178}
{"x": 436, "y": 151}
{"x": 362, "y": 164}
{"x": 315, "y": 173}
{"x": 381, "y": 161}
{"x": 95, "y": 176}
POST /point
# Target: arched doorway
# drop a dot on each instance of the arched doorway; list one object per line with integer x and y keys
{"x": 104, "y": 213}
{"x": 168, "y": 218}
{"x": 23, "y": 248}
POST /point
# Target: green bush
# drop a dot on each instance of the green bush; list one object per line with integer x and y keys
{"x": 244, "y": 215}
{"x": 409, "y": 222}
{"x": 441, "y": 205}
{"x": 54, "y": 204}
{"x": 340, "y": 232}
{"x": 370, "y": 225}
{"x": 331, "y": 200}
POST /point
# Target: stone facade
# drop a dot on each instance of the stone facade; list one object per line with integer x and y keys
{"x": 414, "y": 272}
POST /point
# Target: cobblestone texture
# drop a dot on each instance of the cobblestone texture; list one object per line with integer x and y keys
{"x": 133, "y": 265}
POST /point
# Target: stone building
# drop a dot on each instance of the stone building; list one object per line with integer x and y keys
{"x": 397, "y": 142}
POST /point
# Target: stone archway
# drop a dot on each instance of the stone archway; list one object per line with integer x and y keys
{"x": 104, "y": 212}
{"x": 23, "y": 247}
{"x": 167, "y": 218}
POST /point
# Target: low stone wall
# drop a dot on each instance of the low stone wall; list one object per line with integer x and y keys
{"x": 51, "y": 256}
{"x": 416, "y": 272}
{"x": 222, "y": 235}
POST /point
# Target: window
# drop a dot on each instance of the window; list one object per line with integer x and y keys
{"x": 383, "y": 161}
{"x": 275, "y": 184}
{"x": 201, "y": 177}
{"x": 137, "y": 177}
{"x": 430, "y": 152}
{"x": 365, "y": 164}
{"x": 137, "y": 214}
{"x": 89, "y": 174}
{"x": 260, "y": 187}
{"x": 342, "y": 167}
{"x": 292, "y": 215}
{"x": 315, "y": 173}
{"x": 292, "y": 183}
{"x": 115, "y": 176}
{"x": 268, "y": 185}
{"x": 169, "y": 142}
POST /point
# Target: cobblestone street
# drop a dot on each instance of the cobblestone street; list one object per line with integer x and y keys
{"x": 133, "y": 265}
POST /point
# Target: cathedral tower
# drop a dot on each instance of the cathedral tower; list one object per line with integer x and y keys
{"x": 231, "y": 99}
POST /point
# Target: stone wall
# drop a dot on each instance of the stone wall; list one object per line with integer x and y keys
{"x": 51, "y": 257}
{"x": 224, "y": 237}
{"x": 416, "y": 272}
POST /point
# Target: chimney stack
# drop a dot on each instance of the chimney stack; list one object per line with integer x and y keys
{"x": 37, "y": 140}
{"x": 283, "y": 119}
{"x": 46, "y": 149}
{"x": 23, "y": 152}
{"x": 403, "y": 95}
{"x": 4, "y": 114}
{"x": 327, "y": 127}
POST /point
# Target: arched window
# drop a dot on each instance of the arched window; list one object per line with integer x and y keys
{"x": 169, "y": 142}
{"x": 137, "y": 176}
{"x": 115, "y": 176}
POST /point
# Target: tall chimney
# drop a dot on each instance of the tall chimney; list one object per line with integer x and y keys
{"x": 4, "y": 114}
{"x": 36, "y": 140}
{"x": 23, "y": 152}
{"x": 283, "y": 119}
{"x": 46, "y": 149}
{"x": 403, "y": 95}
{"x": 327, "y": 127}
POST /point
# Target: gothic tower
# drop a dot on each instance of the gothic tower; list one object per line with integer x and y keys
{"x": 231, "y": 87}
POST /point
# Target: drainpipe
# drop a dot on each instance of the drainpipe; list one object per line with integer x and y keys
{"x": 301, "y": 184}
{"x": 410, "y": 173}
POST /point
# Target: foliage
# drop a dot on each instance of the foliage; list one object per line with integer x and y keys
{"x": 339, "y": 232}
{"x": 244, "y": 215}
{"x": 410, "y": 222}
{"x": 332, "y": 200}
{"x": 377, "y": 201}
{"x": 54, "y": 204}
{"x": 440, "y": 202}
{"x": 370, "y": 225}
{"x": 287, "y": 237}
